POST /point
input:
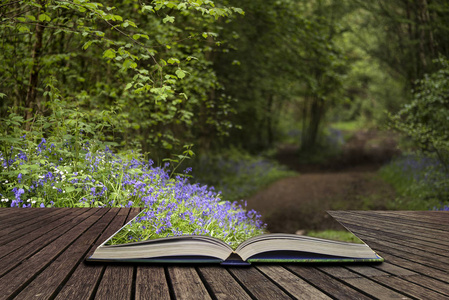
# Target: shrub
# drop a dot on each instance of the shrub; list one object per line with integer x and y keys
{"x": 424, "y": 119}
{"x": 421, "y": 181}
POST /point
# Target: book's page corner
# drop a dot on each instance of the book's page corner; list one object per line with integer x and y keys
{"x": 105, "y": 243}
{"x": 331, "y": 229}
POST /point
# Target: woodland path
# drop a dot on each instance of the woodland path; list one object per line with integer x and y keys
{"x": 349, "y": 182}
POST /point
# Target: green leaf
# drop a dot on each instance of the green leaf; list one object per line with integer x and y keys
{"x": 238, "y": 10}
{"x": 69, "y": 189}
{"x": 129, "y": 64}
{"x": 128, "y": 86}
{"x": 87, "y": 44}
{"x": 31, "y": 17}
{"x": 23, "y": 28}
{"x": 44, "y": 18}
{"x": 180, "y": 73}
{"x": 148, "y": 8}
{"x": 173, "y": 60}
{"x": 168, "y": 19}
{"x": 110, "y": 53}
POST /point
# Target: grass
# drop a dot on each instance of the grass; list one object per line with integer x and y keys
{"x": 346, "y": 126}
{"x": 335, "y": 235}
{"x": 420, "y": 180}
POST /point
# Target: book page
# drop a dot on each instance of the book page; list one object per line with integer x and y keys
{"x": 331, "y": 240}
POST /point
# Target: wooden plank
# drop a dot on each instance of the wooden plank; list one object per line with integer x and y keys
{"x": 388, "y": 248}
{"x": 12, "y": 282}
{"x": 418, "y": 268}
{"x": 5, "y": 211}
{"x": 414, "y": 226}
{"x": 405, "y": 286}
{"x": 151, "y": 283}
{"x": 11, "y": 214}
{"x": 221, "y": 283}
{"x": 425, "y": 281}
{"x": 325, "y": 283}
{"x": 14, "y": 232}
{"x": 404, "y": 249}
{"x": 364, "y": 284}
{"x": 84, "y": 281}
{"x": 390, "y": 268}
{"x": 433, "y": 236}
{"x": 24, "y": 252}
{"x": 426, "y": 218}
{"x": 294, "y": 285}
{"x": 404, "y": 240}
{"x": 21, "y": 223}
{"x": 257, "y": 284}
{"x": 186, "y": 283}
{"x": 440, "y": 217}
{"x": 116, "y": 283}
{"x": 432, "y": 239}
{"x": 25, "y": 213}
{"x": 38, "y": 231}
{"x": 45, "y": 285}
{"x": 117, "y": 280}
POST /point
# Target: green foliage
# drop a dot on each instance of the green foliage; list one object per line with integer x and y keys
{"x": 237, "y": 174}
{"x": 406, "y": 35}
{"x": 147, "y": 63}
{"x": 283, "y": 57}
{"x": 425, "y": 118}
{"x": 65, "y": 136}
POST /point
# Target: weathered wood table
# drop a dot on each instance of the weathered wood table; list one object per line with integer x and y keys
{"x": 42, "y": 255}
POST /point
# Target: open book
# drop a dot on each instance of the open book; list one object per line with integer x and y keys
{"x": 276, "y": 247}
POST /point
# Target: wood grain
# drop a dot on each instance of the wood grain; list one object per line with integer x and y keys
{"x": 186, "y": 283}
{"x": 151, "y": 283}
{"x": 222, "y": 284}
{"x": 257, "y": 284}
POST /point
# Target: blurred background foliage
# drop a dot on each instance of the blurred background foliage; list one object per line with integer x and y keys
{"x": 225, "y": 75}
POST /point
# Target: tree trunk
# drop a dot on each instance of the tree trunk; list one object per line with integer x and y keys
{"x": 270, "y": 120}
{"x": 31, "y": 101}
{"x": 422, "y": 24}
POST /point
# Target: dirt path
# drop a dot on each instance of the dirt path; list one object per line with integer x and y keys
{"x": 348, "y": 182}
